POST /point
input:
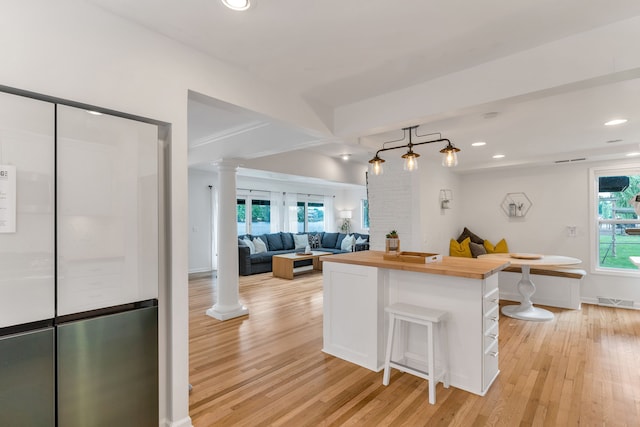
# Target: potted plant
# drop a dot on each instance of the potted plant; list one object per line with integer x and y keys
{"x": 392, "y": 242}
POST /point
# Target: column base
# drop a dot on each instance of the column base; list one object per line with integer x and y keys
{"x": 228, "y": 314}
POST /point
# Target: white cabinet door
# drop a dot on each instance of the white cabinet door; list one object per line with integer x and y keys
{"x": 107, "y": 208}
{"x": 26, "y": 248}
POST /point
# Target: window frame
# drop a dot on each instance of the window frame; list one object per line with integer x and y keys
{"x": 305, "y": 200}
{"x": 594, "y": 220}
{"x": 364, "y": 214}
{"x": 248, "y": 203}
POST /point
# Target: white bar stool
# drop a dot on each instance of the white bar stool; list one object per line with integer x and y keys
{"x": 422, "y": 316}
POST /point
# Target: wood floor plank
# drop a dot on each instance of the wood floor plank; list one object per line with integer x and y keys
{"x": 268, "y": 368}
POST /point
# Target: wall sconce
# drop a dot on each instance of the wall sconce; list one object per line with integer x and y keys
{"x": 446, "y": 196}
{"x": 449, "y": 158}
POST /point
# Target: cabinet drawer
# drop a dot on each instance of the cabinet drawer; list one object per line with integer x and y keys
{"x": 490, "y": 336}
{"x": 490, "y": 365}
{"x": 490, "y": 283}
{"x": 491, "y": 318}
{"x": 490, "y": 301}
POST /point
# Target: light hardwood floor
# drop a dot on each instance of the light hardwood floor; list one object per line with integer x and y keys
{"x": 582, "y": 368}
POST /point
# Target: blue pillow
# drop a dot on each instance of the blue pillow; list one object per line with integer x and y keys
{"x": 287, "y": 240}
{"x": 274, "y": 241}
{"x": 339, "y": 240}
{"x": 329, "y": 240}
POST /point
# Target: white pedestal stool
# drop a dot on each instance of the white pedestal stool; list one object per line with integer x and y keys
{"x": 422, "y": 316}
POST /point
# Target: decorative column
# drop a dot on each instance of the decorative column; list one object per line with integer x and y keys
{"x": 228, "y": 305}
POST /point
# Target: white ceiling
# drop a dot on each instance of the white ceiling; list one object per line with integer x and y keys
{"x": 334, "y": 53}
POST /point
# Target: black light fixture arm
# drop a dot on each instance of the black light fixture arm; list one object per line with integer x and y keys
{"x": 412, "y": 144}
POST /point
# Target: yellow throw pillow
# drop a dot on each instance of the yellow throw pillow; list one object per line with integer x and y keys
{"x": 460, "y": 249}
{"x": 500, "y": 248}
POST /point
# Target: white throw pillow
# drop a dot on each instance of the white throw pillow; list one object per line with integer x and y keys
{"x": 360, "y": 240}
{"x": 259, "y": 244}
{"x": 248, "y": 242}
{"x": 348, "y": 242}
{"x": 301, "y": 240}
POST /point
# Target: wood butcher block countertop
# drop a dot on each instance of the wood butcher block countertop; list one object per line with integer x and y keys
{"x": 471, "y": 268}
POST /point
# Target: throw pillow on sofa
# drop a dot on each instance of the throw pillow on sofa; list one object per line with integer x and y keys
{"x": 460, "y": 249}
{"x": 301, "y": 241}
{"x": 287, "y": 241}
{"x": 329, "y": 240}
{"x": 477, "y": 249}
{"x": 259, "y": 245}
{"x": 468, "y": 233}
{"x": 252, "y": 247}
{"x": 314, "y": 241}
{"x": 274, "y": 240}
{"x": 348, "y": 242}
{"x": 500, "y": 248}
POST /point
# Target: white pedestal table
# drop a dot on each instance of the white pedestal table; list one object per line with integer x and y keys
{"x": 525, "y": 310}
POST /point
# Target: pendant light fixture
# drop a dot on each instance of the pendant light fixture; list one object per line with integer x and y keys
{"x": 449, "y": 153}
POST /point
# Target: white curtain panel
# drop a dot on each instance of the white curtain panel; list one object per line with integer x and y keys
{"x": 214, "y": 228}
{"x": 290, "y": 212}
{"x": 329, "y": 215}
{"x": 276, "y": 206}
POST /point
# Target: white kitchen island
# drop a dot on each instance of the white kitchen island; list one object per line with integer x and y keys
{"x": 359, "y": 285}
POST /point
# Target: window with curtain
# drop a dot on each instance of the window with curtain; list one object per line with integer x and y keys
{"x": 310, "y": 216}
{"x": 253, "y": 216}
{"x": 241, "y": 216}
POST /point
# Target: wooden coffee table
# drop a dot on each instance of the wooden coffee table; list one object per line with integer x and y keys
{"x": 283, "y": 265}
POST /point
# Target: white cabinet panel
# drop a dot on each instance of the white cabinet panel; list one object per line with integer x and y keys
{"x": 26, "y": 255}
{"x": 107, "y": 211}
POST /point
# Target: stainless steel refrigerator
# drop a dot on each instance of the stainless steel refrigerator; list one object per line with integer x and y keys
{"x": 78, "y": 267}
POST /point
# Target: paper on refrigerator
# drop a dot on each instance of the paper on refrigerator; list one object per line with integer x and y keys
{"x": 7, "y": 199}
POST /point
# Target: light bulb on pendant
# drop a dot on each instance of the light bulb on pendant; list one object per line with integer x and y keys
{"x": 410, "y": 160}
{"x": 375, "y": 165}
{"x": 449, "y": 156}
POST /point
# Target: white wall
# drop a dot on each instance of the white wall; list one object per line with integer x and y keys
{"x": 560, "y": 197}
{"x": 351, "y": 200}
{"x": 409, "y": 203}
{"x": 200, "y": 224}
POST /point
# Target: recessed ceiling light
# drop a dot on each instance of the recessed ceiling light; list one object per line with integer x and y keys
{"x": 478, "y": 144}
{"x": 498, "y": 156}
{"x": 615, "y": 122}
{"x": 237, "y": 4}
{"x": 633, "y": 154}
{"x": 345, "y": 156}
{"x": 95, "y": 113}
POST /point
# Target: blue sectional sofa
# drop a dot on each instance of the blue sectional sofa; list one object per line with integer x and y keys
{"x": 282, "y": 243}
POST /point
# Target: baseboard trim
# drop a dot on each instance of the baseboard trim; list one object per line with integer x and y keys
{"x": 185, "y": 422}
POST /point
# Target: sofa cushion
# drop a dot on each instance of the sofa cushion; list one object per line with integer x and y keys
{"x": 468, "y": 233}
{"x": 274, "y": 242}
{"x": 329, "y": 240}
{"x": 287, "y": 241}
{"x": 460, "y": 249}
{"x": 314, "y": 241}
{"x": 301, "y": 241}
{"x": 259, "y": 245}
{"x": 260, "y": 257}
